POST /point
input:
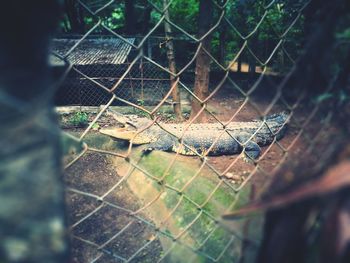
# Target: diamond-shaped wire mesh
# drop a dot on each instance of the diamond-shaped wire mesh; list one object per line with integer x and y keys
{"x": 144, "y": 82}
{"x": 128, "y": 206}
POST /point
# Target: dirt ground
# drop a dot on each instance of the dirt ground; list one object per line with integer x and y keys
{"x": 94, "y": 174}
{"x": 226, "y": 104}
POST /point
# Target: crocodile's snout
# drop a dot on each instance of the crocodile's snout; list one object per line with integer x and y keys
{"x": 127, "y": 134}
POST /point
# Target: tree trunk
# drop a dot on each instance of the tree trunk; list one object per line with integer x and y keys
{"x": 201, "y": 84}
{"x": 75, "y": 16}
{"x": 251, "y": 58}
{"x": 32, "y": 216}
{"x": 222, "y": 44}
{"x": 130, "y": 19}
{"x": 146, "y": 17}
{"x": 222, "y": 39}
{"x": 239, "y": 64}
{"x": 172, "y": 64}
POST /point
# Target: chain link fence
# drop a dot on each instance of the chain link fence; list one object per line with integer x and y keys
{"x": 103, "y": 60}
{"x": 127, "y": 206}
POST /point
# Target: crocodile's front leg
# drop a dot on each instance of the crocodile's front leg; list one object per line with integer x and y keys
{"x": 251, "y": 149}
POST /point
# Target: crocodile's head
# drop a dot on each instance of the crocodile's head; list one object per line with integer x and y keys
{"x": 131, "y": 131}
{"x": 127, "y": 135}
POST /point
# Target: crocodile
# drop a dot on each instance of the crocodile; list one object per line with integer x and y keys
{"x": 210, "y": 139}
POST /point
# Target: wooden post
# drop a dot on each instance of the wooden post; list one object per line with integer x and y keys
{"x": 201, "y": 85}
{"x": 142, "y": 91}
{"x": 149, "y": 48}
{"x": 172, "y": 65}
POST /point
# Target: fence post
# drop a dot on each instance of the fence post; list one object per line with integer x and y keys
{"x": 149, "y": 47}
{"x": 32, "y": 219}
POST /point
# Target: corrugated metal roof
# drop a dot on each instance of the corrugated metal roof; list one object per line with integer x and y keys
{"x": 92, "y": 51}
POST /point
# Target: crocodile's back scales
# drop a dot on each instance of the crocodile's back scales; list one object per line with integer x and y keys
{"x": 198, "y": 138}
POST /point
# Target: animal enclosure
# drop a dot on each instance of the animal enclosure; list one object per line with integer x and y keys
{"x": 169, "y": 210}
{"x": 103, "y": 60}
{"x": 267, "y": 78}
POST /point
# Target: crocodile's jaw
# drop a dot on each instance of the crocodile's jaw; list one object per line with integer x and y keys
{"x": 126, "y": 135}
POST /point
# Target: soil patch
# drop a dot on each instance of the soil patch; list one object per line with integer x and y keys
{"x": 94, "y": 174}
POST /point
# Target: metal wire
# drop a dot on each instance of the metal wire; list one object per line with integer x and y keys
{"x": 204, "y": 234}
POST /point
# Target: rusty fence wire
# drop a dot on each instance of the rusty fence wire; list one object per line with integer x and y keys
{"x": 164, "y": 207}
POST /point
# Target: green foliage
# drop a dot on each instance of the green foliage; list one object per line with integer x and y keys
{"x": 339, "y": 97}
{"x": 155, "y": 16}
{"x": 115, "y": 19}
{"x": 141, "y": 102}
{"x": 243, "y": 15}
{"x": 79, "y": 119}
{"x": 95, "y": 126}
{"x": 345, "y": 34}
{"x": 182, "y": 13}
{"x": 323, "y": 97}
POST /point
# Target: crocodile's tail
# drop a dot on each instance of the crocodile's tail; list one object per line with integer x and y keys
{"x": 277, "y": 123}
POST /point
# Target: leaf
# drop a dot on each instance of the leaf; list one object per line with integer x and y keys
{"x": 323, "y": 97}
{"x": 95, "y": 126}
{"x": 335, "y": 179}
